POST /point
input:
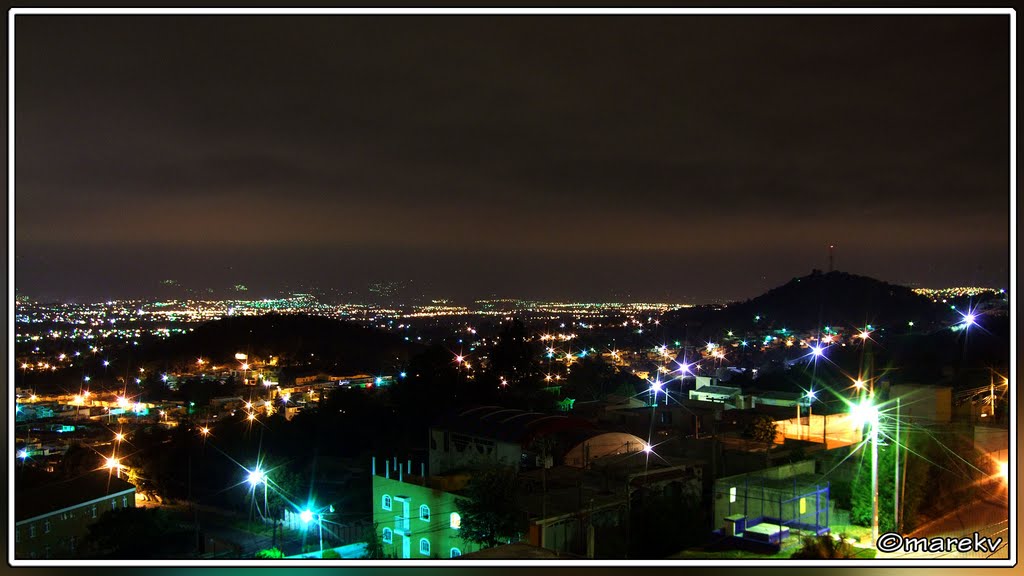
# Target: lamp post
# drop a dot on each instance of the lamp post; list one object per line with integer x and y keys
{"x": 865, "y": 412}
{"x": 256, "y": 477}
{"x": 307, "y": 516}
{"x": 810, "y": 413}
{"x": 874, "y": 480}
{"x": 320, "y": 526}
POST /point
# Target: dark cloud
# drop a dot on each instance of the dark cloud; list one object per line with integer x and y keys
{"x": 698, "y": 156}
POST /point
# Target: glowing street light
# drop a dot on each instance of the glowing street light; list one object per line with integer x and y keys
{"x": 256, "y": 477}
{"x": 307, "y": 516}
{"x": 204, "y": 431}
{"x": 113, "y": 464}
{"x": 119, "y": 437}
{"x": 866, "y": 413}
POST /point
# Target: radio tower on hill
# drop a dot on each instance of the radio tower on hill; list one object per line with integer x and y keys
{"x": 830, "y": 257}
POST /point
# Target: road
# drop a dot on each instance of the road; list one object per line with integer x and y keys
{"x": 987, "y": 517}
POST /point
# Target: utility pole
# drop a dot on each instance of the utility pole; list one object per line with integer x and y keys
{"x": 992, "y": 394}
{"x": 874, "y": 481}
{"x": 903, "y": 486}
{"x": 896, "y": 478}
{"x": 544, "y": 489}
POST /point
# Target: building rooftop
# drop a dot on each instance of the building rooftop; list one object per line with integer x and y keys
{"x": 508, "y": 424}
{"x": 40, "y": 500}
{"x": 723, "y": 390}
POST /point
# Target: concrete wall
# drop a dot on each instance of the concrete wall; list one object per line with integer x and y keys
{"x": 452, "y": 451}
{"x": 923, "y": 404}
{"x": 833, "y": 430}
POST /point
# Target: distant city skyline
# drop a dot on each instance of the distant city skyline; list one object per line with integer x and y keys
{"x": 689, "y": 159}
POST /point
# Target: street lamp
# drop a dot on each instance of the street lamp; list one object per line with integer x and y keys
{"x": 866, "y": 413}
{"x": 255, "y": 478}
{"x": 114, "y": 464}
{"x": 307, "y": 516}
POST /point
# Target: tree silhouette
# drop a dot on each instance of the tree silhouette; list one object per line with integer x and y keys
{"x": 136, "y": 533}
{"x": 762, "y": 429}
{"x": 490, "y": 511}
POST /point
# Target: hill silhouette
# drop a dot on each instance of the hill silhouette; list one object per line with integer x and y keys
{"x": 821, "y": 299}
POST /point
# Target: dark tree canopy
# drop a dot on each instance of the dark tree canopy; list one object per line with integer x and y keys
{"x": 136, "y": 533}
{"x": 490, "y": 510}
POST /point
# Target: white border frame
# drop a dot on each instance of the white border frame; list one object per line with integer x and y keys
{"x": 1012, "y": 488}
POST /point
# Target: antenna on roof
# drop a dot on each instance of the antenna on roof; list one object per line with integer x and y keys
{"x": 831, "y": 248}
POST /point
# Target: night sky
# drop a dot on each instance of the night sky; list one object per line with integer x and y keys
{"x": 680, "y": 158}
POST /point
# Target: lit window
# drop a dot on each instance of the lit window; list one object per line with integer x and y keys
{"x": 46, "y": 527}
{"x": 124, "y": 501}
{"x": 424, "y": 547}
{"x": 456, "y": 553}
{"x": 455, "y": 521}
{"x": 32, "y": 531}
{"x": 113, "y": 504}
{"x": 425, "y": 513}
{"x": 387, "y": 536}
{"x": 93, "y": 510}
{"x": 732, "y": 494}
{"x": 803, "y": 505}
{"x": 385, "y": 502}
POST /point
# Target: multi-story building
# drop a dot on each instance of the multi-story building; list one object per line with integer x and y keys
{"x": 416, "y": 516}
{"x": 52, "y": 520}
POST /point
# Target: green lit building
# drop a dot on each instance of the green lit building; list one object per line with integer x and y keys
{"x": 415, "y": 516}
